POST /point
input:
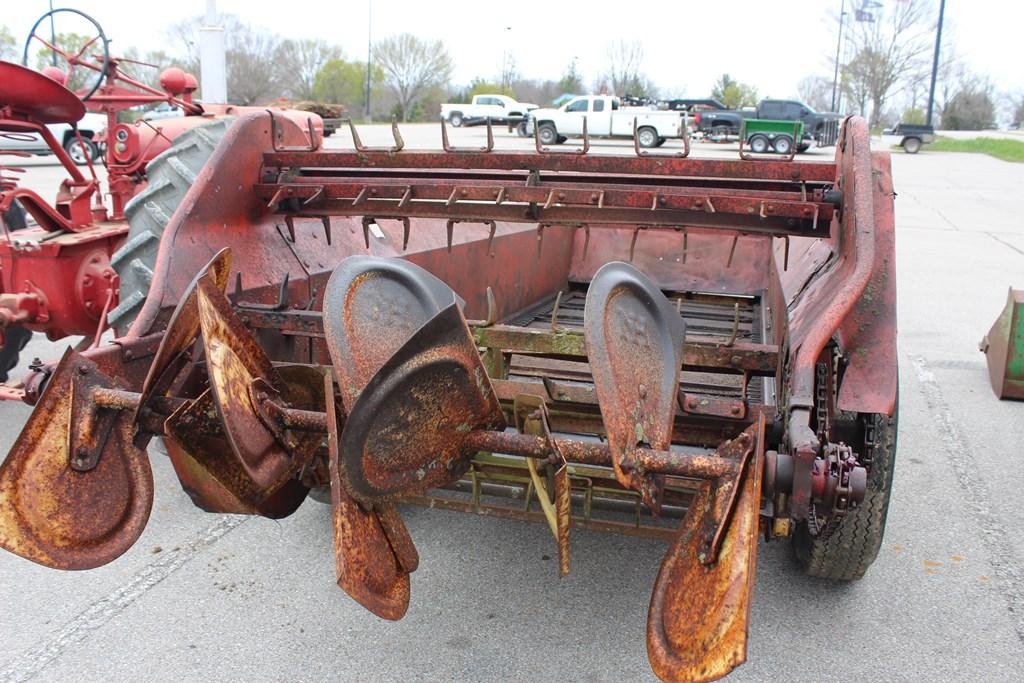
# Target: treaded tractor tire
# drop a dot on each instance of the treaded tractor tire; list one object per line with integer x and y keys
{"x": 851, "y": 548}
{"x": 170, "y": 176}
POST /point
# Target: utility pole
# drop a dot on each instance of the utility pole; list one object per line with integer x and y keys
{"x": 935, "y": 62}
{"x": 369, "y": 54}
{"x": 839, "y": 43}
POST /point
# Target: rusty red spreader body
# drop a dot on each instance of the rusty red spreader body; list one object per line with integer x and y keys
{"x": 697, "y": 350}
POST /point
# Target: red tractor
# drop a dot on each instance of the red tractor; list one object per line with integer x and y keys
{"x": 84, "y": 265}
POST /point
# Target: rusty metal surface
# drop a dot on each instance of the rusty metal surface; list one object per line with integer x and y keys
{"x": 372, "y": 307}
{"x": 367, "y": 565}
{"x": 57, "y": 516}
{"x": 406, "y": 431}
{"x": 183, "y": 327}
{"x": 635, "y": 344}
{"x": 868, "y": 334}
{"x": 697, "y": 622}
{"x": 631, "y": 165}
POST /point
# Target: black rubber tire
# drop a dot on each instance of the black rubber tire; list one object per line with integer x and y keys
{"x": 851, "y": 548}
{"x": 647, "y": 137}
{"x": 802, "y": 147}
{"x": 548, "y": 134}
{"x": 455, "y": 118}
{"x": 170, "y": 176}
{"x": 912, "y": 145}
{"x": 80, "y": 152}
{"x": 15, "y": 338}
{"x": 521, "y": 129}
{"x": 14, "y": 218}
{"x": 661, "y": 141}
{"x": 561, "y": 140}
{"x": 783, "y": 144}
{"x": 759, "y": 144}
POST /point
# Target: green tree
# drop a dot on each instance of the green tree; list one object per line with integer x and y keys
{"x": 300, "y": 62}
{"x": 343, "y": 82}
{"x": 8, "y": 45}
{"x": 480, "y": 86}
{"x": 571, "y": 81}
{"x": 913, "y": 116}
{"x": 734, "y": 94}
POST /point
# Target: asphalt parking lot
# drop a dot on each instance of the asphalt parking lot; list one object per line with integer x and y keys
{"x": 236, "y": 598}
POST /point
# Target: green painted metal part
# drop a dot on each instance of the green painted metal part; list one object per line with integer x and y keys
{"x": 1003, "y": 347}
{"x": 774, "y": 128}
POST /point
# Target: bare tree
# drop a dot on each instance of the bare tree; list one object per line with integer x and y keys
{"x": 299, "y": 62}
{"x": 816, "y": 91}
{"x": 623, "y": 71}
{"x": 250, "y": 55}
{"x": 412, "y": 68}
{"x": 889, "y": 52}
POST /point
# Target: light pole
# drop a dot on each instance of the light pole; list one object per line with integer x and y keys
{"x": 935, "y": 62}
{"x": 504, "y": 60}
{"x": 369, "y": 54}
{"x": 839, "y": 43}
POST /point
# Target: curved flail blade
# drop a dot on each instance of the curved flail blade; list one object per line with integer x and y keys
{"x": 75, "y": 493}
{"x": 635, "y": 347}
{"x": 700, "y": 607}
{"x": 366, "y": 564}
{"x": 372, "y": 306}
{"x": 408, "y": 430}
{"x": 262, "y": 471}
{"x": 182, "y": 329}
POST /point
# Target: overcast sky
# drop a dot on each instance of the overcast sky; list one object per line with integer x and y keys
{"x": 769, "y": 43}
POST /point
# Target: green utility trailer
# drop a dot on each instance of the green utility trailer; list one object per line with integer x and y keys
{"x": 763, "y": 136}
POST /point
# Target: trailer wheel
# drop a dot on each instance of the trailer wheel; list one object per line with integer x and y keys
{"x": 783, "y": 144}
{"x": 912, "y": 145}
{"x": 521, "y": 129}
{"x": 802, "y": 147}
{"x": 548, "y": 134}
{"x": 647, "y": 136}
{"x": 170, "y": 176}
{"x": 759, "y": 144}
{"x": 15, "y": 338}
{"x": 847, "y": 552}
{"x": 661, "y": 141}
{"x": 455, "y": 118}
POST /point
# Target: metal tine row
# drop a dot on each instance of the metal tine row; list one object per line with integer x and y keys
{"x": 548, "y": 150}
{"x": 395, "y": 133}
{"x": 275, "y": 134}
{"x": 467, "y": 150}
{"x": 677, "y": 155}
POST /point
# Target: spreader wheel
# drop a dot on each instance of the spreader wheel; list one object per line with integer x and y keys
{"x": 845, "y": 552}
{"x": 170, "y": 176}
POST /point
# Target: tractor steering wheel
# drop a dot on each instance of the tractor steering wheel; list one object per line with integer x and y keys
{"x": 75, "y": 59}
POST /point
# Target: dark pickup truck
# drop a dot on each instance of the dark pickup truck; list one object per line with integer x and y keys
{"x": 819, "y": 127}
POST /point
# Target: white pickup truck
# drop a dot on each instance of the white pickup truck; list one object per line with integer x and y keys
{"x": 497, "y": 108}
{"x": 606, "y": 118}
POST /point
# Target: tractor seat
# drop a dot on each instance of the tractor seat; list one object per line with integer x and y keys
{"x": 36, "y": 96}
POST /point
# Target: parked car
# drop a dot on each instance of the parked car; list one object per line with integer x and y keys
{"x": 819, "y": 127}
{"x": 89, "y": 127}
{"x": 164, "y": 110}
{"x": 497, "y": 108}
{"x": 605, "y": 117}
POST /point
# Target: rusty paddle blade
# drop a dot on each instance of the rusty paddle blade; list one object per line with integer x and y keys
{"x": 407, "y": 430}
{"x": 367, "y": 565}
{"x": 634, "y": 342}
{"x": 697, "y": 622}
{"x": 371, "y": 308}
{"x": 74, "y": 517}
{"x": 240, "y": 374}
{"x": 182, "y": 329}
